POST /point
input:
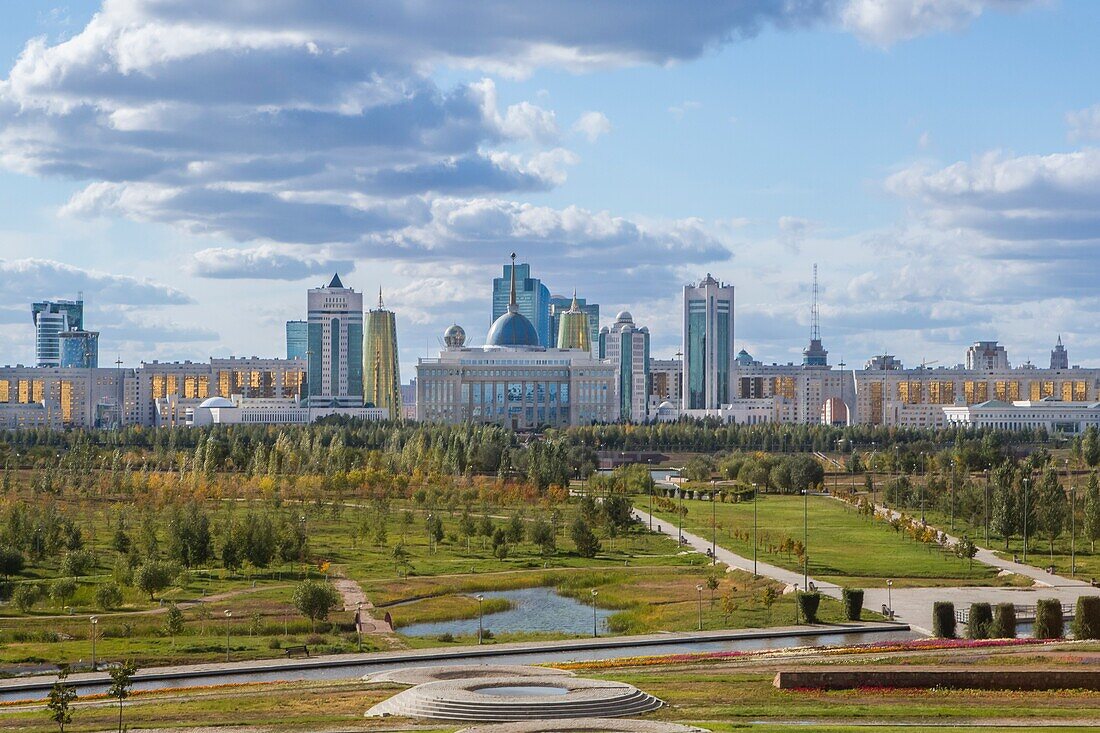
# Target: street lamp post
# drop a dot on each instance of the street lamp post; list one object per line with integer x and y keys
{"x": 986, "y": 471}
{"x": 806, "y": 538}
{"x": 480, "y": 627}
{"x": 754, "y": 525}
{"x": 228, "y": 615}
{"x": 95, "y": 623}
{"x": 871, "y": 471}
{"x": 713, "y": 526}
{"x": 594, "y": 630}
{"x": 1073, "y": 530}
{"x": 952, "y": 494}
{"x": 680, "y": 516}
{"x": 796, "y": 604}
{"x": 897, "y": 473}
{"x": 1025, "y": 520}
{"x": 923, "y": 481}
{"x": 890, "y": 597}
{"x": 699, "y": 590}
{"x": 359, "y": 625}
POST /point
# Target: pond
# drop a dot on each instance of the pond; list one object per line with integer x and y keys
{"x": 533, "y": 610}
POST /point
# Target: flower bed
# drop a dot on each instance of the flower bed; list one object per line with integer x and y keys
{"x": 712, "y": 657}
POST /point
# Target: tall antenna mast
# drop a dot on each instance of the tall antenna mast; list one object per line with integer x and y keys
{"x": 815, "y": 325}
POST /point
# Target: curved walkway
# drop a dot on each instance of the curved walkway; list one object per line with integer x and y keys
{"x": 910, "y": 605}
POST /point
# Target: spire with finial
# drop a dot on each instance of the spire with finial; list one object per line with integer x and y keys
{"x": 573, "y": 308}
{"x": 513, "y": 307}
{"x": 380, "y": 305}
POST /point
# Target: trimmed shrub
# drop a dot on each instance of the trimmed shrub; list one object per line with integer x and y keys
{"x": 1004, "y": 622}
{"x": 981, "y": 619}
{"x": 808, "y": 604}
{"x": 1049, "y": 623}
{"x": 1087, "y": 623}
{"x": 943, "y": 620}
{"x": 853, "y": 603}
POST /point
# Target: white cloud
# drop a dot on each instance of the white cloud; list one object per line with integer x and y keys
{"x": 885, "y": 22}
{"x": 678, "y": 111}
{"x": 1026, "y": 197}
{"x": 1084, "y": 124}
{"x": 24, "y": 280}
{"x": 266, "y": 262}
{"x": 592, "y": 125}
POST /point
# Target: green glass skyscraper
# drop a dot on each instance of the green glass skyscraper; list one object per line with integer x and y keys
{"x": 335, "y": 355}
{"x": 381, "y": 374}
{"x": 708, "y": 344}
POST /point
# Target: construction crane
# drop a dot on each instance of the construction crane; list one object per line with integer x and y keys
{"x": 924, "y": 363}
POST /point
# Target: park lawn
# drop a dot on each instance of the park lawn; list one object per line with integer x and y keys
{"x": 1038, "y": 553}
{"x": 719, "y": 697}
{"x": 263, "y": 622}
{"x": 333, "y": 539}
{"x": 844, "y": 548}
{"x": 261, "y": 598}
{"x": 707, "y": 695}
{"x": 282, "y": 706}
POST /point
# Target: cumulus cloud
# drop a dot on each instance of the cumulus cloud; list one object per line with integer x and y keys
{"x": 592, "y": 125}
{"x": 319, "y": 137}
{"x": 287, "y": 123}
{"x": 24, "y": 280}
{"x": 1084, "y": 124}
{"x": 264, "y": 263}
{"x": 884, "y": 22}
{"x": 1029, "y": 197}
{"x": 486, "y": 229}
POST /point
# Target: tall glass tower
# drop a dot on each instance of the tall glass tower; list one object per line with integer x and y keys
{"x": 334, "y": 358}
{"x": 532, "y": 297}
{"x": 51, "y": 317}
{"x": 708, "y": 344}
{"x": 627, "y": 347}
{"x": 381, "y": 374}
{"x": 297, "y": 339}
{"x": 79, "y": 349}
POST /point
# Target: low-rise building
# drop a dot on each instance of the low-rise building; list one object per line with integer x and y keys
{"x": 1052, "y": 415}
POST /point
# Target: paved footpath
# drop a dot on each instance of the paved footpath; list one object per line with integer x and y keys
{"x": 911, "y": 605}
{"x": 353, "y": 596}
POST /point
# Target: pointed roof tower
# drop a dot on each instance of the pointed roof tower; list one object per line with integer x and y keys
{"x": 335, "y": 283}
{"x": 815, "y": 354}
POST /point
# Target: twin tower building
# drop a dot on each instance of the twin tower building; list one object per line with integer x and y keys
{"x": 351, "y": 357}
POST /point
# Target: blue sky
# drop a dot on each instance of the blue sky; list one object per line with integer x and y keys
{"x": 194, "y": 166}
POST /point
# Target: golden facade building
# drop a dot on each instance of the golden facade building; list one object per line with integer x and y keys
{"x": 381, "y": 372}
{"x": 574, "y": 331}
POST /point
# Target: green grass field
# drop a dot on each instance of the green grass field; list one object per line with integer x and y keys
{"x": 1038, "y": 553}
{"x": 443, "y": 576}
{"x": 844, "y": 548}
{"x": 718, "y": 696}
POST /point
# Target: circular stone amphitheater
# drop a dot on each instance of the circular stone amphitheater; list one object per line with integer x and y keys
{"x": 509, "y": 695}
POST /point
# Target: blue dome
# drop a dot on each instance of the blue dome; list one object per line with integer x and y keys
{"x": 512, "y": 329}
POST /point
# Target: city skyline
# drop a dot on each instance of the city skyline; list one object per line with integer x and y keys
{"x": 952, "y": 205}
{"x": 871, "y": 361}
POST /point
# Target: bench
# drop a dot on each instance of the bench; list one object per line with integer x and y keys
{"x": 290, "y": 651}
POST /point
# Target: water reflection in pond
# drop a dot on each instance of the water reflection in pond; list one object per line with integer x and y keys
{"x": 534, "y": 610}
